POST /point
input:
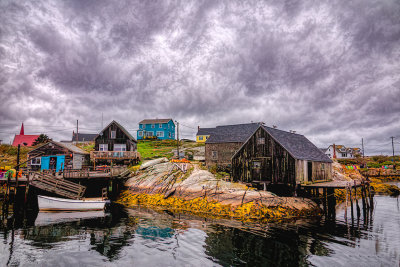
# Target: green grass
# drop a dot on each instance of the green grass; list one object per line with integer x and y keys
{"x": 156, "y": 149}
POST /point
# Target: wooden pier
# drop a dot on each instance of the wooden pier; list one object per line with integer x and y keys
{"x": 354, "y": 190}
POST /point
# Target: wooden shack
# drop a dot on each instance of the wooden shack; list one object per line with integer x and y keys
{"x": 279, "y": 157}
{"x": 115, "y": 143}
{"x": 57, "y": 156}
{"x": 224, "y": 141}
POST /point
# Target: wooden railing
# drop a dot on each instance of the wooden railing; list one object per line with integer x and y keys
{"x": 114, "y": 155}
{"x": 70, "y": 173}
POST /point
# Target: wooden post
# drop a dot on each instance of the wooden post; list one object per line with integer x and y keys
{"x": 371, "y": 197}
{"x": 345, "y": 211}
{"x": 351, "y": 203}
{"x": 355, "y": 196}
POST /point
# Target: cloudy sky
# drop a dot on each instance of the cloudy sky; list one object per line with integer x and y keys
{"x": 328, "y": 69}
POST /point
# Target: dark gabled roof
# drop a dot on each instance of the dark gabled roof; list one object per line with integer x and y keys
{"x": 237, "y": 133}
{"x": 69, "y": 146}
{"x": 84, "y": 137}
{"x": 122, "y": 129}
{"x": 323, "y": 150}
{"x": 154, "y": 121}
{"x": 205, "y": 131}
{"x": 297, "y": 145}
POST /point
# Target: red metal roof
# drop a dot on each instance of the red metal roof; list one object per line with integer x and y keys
{"x": 20, "y": 139}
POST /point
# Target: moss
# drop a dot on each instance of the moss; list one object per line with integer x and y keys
{"x": 202, "y": 206}
{"x": 385, "y": 189}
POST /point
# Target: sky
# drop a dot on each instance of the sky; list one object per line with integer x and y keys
{"x": 329, "y": 70}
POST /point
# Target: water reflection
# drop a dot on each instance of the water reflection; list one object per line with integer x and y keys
{"x": 147, "y": 237}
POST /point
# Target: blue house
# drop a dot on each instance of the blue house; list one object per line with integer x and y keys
{"x": 162, "y": 129}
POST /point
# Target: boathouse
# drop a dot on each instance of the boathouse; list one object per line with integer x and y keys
{"x": 224, "y": 141}
{"x": 57, "y": 156}
{"x": 115, "y": 143}
{"x": 274, "y": 156}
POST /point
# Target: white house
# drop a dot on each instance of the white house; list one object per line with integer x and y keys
{"x": 342, "y": 152}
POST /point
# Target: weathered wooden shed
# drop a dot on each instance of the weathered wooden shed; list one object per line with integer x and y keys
{"x": 224, "y": 141}
{"x": 57, "y": 156}
{"x": 279, "y": 157}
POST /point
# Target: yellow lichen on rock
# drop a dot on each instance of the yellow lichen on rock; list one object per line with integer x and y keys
{"x": 203, "y": 206}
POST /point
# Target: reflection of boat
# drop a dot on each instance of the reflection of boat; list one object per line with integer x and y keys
{"x": 45, "y": 218}
{"x": 63, "y": 204}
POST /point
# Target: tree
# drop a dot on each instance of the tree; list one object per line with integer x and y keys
{"x": 43, "y": 138}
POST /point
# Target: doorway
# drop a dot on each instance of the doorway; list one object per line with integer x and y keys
{"x": 309, "y": 170}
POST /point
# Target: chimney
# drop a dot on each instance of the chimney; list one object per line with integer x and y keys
{"x": 22, "y": 129}
{"x": 334, "y": 151}
{"x": 274, "y": 126}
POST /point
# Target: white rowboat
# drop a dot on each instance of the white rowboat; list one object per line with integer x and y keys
{"x": 63, "y": 204}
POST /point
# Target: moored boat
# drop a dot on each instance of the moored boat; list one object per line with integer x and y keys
{"x": 51, "y": 204}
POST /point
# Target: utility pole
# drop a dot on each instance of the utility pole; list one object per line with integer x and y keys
{"x": 394, "y": 167}
{"x": 177, "y": 137}
{"x": 102, "y": 120}
{"x": 362, "y": 147}
{"x": 77, "y": 128}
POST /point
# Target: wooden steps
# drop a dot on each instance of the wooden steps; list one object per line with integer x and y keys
{"x": 58, "y": 186}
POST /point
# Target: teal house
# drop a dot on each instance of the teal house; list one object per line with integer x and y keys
{"x": 162, "y": 129}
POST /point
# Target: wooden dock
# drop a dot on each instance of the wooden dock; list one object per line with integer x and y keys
{"x": 354, "y": 190}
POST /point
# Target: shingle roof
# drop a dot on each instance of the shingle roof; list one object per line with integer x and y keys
{"x": 237, "y": 133}
{"x": 297, "y": 145}
{"x": 21, "y": 139}
{"x": 84, "y": 137}
{"x": 69, "y": 146}
{"x": 154, "y": 121}
{"x": 205, "y": 131}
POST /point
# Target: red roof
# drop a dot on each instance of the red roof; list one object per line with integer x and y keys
{"x": 20, "y": 139}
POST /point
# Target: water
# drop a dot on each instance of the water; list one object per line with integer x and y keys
{"x": 144, "y": 237}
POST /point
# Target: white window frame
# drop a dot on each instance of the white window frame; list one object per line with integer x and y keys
{"x": 113, "y": 134}
{"x": 160, "y": 134}
{"x": 201, "y": 138}
{"x": 160, "y": 125}
{"x": 103, "y": 147}
{"x": 36, "y": 161}
{"x": 149, "y": 134}
{"x": 260, "y": 141}
{"x": 153, "y": 126}
{"x": 120, "y": 147}
{"x": 140, "y": 133}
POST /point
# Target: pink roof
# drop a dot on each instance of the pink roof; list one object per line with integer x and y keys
{"x": 20, "y": 139}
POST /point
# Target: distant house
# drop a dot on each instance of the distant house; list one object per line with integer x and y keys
{"x": 114, "y": 142}
{"x": 162, "y": 129}
{"x": 57, "y": 156}
{"x": 23, "y": 139}
{"x": 82, "y": 137}
{"x": 342, "y": 152}
{"x": 203, "y": 134}
{"x": 224, "y": 141}
{"x": 279, "y": 157}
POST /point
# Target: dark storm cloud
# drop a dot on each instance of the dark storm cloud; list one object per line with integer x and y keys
{"x": 328, "y": 69}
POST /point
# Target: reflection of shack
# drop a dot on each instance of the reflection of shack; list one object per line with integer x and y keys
{"x": 154, "y": 233}
{"x": 57, "y": 156}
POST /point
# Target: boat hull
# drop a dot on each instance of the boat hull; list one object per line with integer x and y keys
{"x": 54, "y": 204}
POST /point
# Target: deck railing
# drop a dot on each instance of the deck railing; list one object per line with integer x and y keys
{"x": 114, "y": 155}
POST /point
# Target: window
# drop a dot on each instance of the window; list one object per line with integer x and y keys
{"x": 169, "y": 135}
{"x": 113, "y": 134}
{"x": 103, "y": 147}
{"x": 36, "y": 161}
{"x": 149, "y": 133}
{"x": 256, "y": 164}
{"x": 140, "y": 133}
{"x": 119, "y": 147}
{"x": 160, "y": 134}
{"x": 160, "y": 125}
{"x": 261, "y": 141}
{"x": 322, "y": 166}
{"x": 201, "y": 138}
{"x": 214, "y": 154}
{"x": 153, "y": 126}
{"x": 141, "y": 126}
{"x": 344, "y": 155}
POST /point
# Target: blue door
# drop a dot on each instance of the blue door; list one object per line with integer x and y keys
{"x": 60, "y": 163}
{"x": 45, "y": 163}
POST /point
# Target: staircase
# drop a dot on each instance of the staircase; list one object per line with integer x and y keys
{"x": 58, "y": 186}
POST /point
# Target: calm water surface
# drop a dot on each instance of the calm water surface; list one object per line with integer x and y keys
{"x": 144, "y": 237}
